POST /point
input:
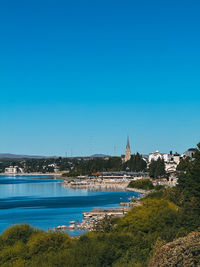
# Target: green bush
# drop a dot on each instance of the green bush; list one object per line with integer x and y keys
{"x": 15, "y": 233}
{"x": 145, "y": 184}
{"x": 47, "y": 242}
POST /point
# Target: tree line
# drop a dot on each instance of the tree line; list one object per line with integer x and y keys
{"x": 85, "y": 166}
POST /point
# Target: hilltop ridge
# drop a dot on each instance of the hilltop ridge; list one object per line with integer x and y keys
{"x": 18, "y": 156}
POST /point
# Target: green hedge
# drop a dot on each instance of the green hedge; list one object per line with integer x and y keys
{"x": 145, "y": 184}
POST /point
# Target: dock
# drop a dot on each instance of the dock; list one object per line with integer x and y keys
{"x": 99, "y": 212}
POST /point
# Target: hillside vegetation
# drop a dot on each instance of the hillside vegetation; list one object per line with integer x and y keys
{"x": 182, "y": 252}
{"x": 145, "y": 184}
{"x": 159, "y": 231}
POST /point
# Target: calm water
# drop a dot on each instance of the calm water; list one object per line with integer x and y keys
{"x": 44, "y": 202}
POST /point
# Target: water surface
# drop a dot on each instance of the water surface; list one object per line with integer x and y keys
{"x": 44, "y": 202}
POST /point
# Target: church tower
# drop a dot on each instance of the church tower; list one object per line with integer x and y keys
{"x": 128, "y": 151}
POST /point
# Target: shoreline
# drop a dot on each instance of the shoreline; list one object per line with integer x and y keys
{"x": 142, "y": 191}
{"x": 29, "y": 174}
{"x": 92, "y": 216}
{"x": 104, "y": 185}
{"x": 97, "y": 184}
{"x": 90, "y": 219}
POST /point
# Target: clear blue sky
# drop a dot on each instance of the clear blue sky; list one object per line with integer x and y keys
{"x": 78, "y": 76}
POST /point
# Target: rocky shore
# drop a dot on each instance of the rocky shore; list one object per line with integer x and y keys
{"x": 98, "y": 184}
{"x": 93, "y": 217}
{"x": 142, "y": 191}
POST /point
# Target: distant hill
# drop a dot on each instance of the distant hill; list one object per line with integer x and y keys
{"x": 99, "y": 156}
{"x": 16, "y": 156}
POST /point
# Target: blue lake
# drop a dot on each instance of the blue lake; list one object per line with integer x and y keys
{"x": 44, "y": 202}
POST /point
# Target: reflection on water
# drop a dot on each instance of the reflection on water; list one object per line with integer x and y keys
{"x": 43, "y": 201}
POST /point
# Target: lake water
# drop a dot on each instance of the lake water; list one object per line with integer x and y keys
{"x": 44, "y": 202}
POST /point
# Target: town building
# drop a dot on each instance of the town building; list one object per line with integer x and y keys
{"x": 127, "y": 155}
{"x": 156, "y": 155}
{"x": 177, "y": 158}
{"x": 13, "y": 170}
{"x": 189, "y": 153}
{"x": 170, "y": 166}
{"x": 171, "y": 160}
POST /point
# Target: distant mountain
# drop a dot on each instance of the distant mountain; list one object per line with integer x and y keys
{"x": 16, "y": 156}
{"x": 99, "y": 156}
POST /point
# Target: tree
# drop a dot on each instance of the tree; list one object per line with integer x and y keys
{"x": 189, "y": 180}
{"x": 184, "y": 164}
{"x": 145, "y": 184}
{"x": 136, "y": 163}
{"x": 105, "y": 225}
{"x": 157, "y": 168}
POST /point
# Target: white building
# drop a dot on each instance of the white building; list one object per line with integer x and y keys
{"x": 177, "y": 158}
{"x": 13, "y": 170}
{"x": 171, "y": 160}
{"x": 170, "y": 166}
{"x": 156, "y": 155}
{"x": 53, "y": 165}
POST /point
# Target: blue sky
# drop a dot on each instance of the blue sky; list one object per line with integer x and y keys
{"x": 78, "y": 76}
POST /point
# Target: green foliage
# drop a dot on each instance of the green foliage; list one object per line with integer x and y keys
{"x": 84, "y": 167}
{"x": 159, "y": 187}
{"x": 15, "y": 253}
{"x": 135, "y": 164}
{"x": 181, "y": 252}
{"x": 184, "y": 164}
{"x": 189, "y": 185}
{"x": 157, "y": 168}
{"x": 100, "y": 249}
{"x": 20, "y": 232}
{"x": 145, "y": 184}
{"x": 52, "y": 241}
{"x": 189, "y": 180}
{"x": 150, "y": 217}
{"x": 105, "y": 225}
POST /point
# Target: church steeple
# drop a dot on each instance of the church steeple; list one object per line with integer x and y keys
{"x": 127, "y": 145}
{"x": 128, "y": 151}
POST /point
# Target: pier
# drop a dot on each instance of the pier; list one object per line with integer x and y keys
{"x": 93, "y": 217}
{"x": 101, "y": 213}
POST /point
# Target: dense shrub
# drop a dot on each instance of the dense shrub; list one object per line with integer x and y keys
{"x": 20, "y": 232}
{"x": 186, "y": 252}
{"x": 145, "y": 184}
